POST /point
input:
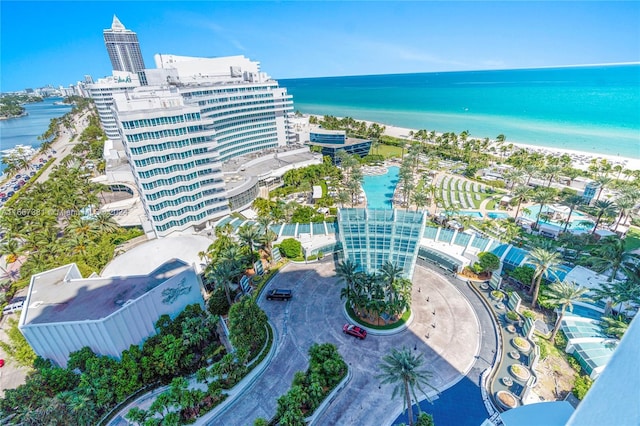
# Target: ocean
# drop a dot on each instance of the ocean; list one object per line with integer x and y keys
{"x": 25, "y": 130}
{"x": 594, "y": 109}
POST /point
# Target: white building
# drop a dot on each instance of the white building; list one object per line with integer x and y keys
{"x": 194, "y": 114}
{"x": 64, "y": 312}
{"x": 173, "y": 154}
{"x": 102, "y": 92}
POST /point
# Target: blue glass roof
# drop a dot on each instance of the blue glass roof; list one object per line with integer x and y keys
{"x": 515, "y": 256}
{"x": 499, "y": 251}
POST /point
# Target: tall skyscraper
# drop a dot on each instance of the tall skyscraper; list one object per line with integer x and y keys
{"x": 123, "y": 48}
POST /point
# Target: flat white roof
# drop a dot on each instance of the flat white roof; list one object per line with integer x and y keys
{"x": 585, "y": 277}
{"x": 146, "y": 257}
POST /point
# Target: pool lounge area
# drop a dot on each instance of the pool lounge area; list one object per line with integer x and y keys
{"x": 578, "y": 220}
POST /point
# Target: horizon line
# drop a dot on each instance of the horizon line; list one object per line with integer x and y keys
{"x": 609, "y": 64}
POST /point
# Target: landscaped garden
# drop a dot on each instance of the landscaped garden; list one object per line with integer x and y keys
{"x": 378, "y": 299}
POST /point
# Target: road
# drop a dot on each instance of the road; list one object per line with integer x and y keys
{"x": 315, "y": 315}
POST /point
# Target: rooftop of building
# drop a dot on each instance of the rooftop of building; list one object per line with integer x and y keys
{"x": 242, "y": 171}
{"x": 347, "y": 142}
{"x": 55, "y": 298}
{"x": 144, "y": 258}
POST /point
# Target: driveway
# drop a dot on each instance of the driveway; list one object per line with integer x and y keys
{"x": 448, "y": 339}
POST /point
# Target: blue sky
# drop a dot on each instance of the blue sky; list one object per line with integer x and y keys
{"x": 46, "y": 42}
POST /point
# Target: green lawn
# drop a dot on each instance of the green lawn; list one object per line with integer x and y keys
{"x": 633, "y": 238}
{"x": 491, "y": 205}
{"x": 387, "y": 151}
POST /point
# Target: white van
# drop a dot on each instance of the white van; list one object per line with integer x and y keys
{"x": 13, "y": 307}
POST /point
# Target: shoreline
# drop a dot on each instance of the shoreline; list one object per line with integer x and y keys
{"x": 580, "y": 159}
{"x": 24, "y": 114}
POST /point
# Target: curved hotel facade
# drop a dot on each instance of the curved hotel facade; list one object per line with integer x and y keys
{"x": 195, "y": 114}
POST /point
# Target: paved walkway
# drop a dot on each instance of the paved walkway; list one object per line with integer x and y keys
{"x": 315, "y": 316}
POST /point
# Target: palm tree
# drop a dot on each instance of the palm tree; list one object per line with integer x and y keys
{"x": 390, "y": 272}
{"x": 602, "y": 208}
{"x": 521, "y": 194}
{"x": 551, "y": 170}
{"x": 542, "y": 196}
{"x": 615, "y": 326}
{"x": 12, "y": 249}
{"x": 572, "y": 201}
{"x": 604, "y": 181}
{"x": 564, "y": 294}
{"x": 543, "y": 261}
{"x": 222, "y": 274}
{"x": 249, "y": 234}
{"x": 625, "y": 203}
{"x": 420, "y": 199}
{"x": 617, "y": 293}
{"x": 104, "y": 222}
{"x": 348, "y": 271}
{"x": 402, "y": 369}
{"x": 611, "y": 255}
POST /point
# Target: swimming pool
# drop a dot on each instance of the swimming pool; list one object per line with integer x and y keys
{"x": 585, "y": 312}
{"x": 471, "y": 214}
{"x": 379, "y": 189}
{"x": 577, "y": 219}
{"x": 497, "y": 215}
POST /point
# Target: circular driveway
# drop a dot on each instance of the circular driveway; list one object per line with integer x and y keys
{"x": 444, "y": 329}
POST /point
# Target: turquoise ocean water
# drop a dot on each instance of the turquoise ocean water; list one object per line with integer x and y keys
{"x": 593, "y": 109}
{"x": 25, "y": 130}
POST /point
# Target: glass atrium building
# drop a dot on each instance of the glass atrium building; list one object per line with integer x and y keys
{"x": 371, "y": 237}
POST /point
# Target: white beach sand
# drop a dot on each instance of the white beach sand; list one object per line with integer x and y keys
{"x": 580, "y": 159}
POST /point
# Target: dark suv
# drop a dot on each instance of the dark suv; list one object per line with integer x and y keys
{"x": 279, "y": 294}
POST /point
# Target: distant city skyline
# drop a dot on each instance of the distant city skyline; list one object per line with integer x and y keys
{"x": 59, "y": 42}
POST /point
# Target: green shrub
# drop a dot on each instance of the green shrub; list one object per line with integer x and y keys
{"x": 425, "y": 419}
{"x": 581, "y": 386}
{"x": 524, "y": 274}
{"x": 497, "y": 294}
{"x": 529, "y": 314}
{"x": 561, "y": 340}
{"x": 217, "y": 303}
{"x": 333, "y": 211}
{"x": 544, "y": 350}
{"x": 312, "y": 257}
{"x": 291, "y": 248}
{"x": 573, "y": 362}
{"x": 513, "y": 316}
{"x": 487, "y": 261}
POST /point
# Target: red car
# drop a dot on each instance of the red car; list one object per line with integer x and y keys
{"x": 1, "y": 363}
{"x": 354, "y": 331}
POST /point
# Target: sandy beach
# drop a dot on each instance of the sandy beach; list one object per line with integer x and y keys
{"x": 580, "y": 159}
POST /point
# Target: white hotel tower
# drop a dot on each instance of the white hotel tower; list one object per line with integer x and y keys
{"x": 194, "y": 114}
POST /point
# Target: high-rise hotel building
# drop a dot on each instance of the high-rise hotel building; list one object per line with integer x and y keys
{"x": 124, "y": 49}
{"x": 195, "y": 114}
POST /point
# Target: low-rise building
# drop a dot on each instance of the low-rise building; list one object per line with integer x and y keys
{"x": 331, "y": 142}
{"x": 64, "y": 312}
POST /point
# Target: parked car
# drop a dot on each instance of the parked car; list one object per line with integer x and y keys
{"x": 279, "y": 294}
{"x": 354, "y": 331}
{"x": 1, "y": 362}
{"x": 13, "y": 307}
